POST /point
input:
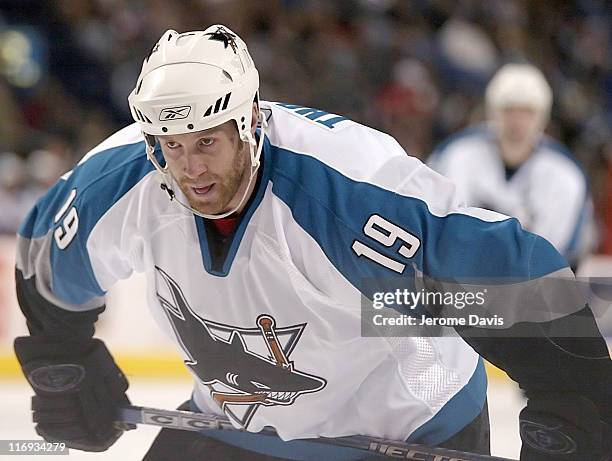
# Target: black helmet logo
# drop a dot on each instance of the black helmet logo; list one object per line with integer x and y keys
{"x": 225, "y": 36}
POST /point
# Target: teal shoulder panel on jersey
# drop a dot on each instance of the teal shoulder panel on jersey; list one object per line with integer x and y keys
{"x": 335, "y": 210}
{"x": 70, "y": 210}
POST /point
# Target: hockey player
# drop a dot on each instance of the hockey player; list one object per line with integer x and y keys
{"x": 508, "y": 165}
{"x": 255, "y": 224}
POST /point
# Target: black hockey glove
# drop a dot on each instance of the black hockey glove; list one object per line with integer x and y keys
{"x": 78, "y": 388}
{"x": 563, "y": 427}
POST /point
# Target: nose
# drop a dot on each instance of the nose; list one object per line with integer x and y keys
{"x": 195, "y": 164}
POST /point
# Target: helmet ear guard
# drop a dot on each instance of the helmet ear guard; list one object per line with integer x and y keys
{"x": 150, "y": 142}
{"x": 192, "y": 82}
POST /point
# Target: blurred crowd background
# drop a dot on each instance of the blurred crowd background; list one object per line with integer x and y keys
{"x": 416, "y": 69}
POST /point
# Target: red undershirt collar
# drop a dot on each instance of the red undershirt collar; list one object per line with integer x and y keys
{"x": 225, "y": 226}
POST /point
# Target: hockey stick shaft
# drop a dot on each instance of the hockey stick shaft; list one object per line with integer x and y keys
{"x": 200, "y": 422}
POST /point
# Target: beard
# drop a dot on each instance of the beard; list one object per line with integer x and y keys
{"x": 226, "y": 186}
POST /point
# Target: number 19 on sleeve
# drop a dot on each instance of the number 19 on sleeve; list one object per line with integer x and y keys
{"x": 387, "y": 233}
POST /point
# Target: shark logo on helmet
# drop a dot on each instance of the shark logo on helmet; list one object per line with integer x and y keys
{"x": 244, "y": 368}
{"x": 225, "y": 36}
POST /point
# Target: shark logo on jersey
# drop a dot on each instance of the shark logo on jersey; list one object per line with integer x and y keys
{"x": 243, "y": 367}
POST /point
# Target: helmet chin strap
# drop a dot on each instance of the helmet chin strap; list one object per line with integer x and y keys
{"x": 254, "y": 152}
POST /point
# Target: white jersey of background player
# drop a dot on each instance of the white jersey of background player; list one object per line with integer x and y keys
{"x": 255, "y": 245}
{"x": 510, "y": 166}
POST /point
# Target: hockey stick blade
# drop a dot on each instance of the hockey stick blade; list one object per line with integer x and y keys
{"x": 200, "y": 422}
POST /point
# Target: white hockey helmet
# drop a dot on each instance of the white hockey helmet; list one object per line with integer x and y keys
{"x": 519, "y": 85}
{"x": 194, "y": 81}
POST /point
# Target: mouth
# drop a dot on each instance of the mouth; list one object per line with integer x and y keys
{"x": 203, "y": 190}
{"x": 278, "y": 396}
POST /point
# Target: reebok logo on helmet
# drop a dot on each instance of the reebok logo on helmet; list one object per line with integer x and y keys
{"x": 174, "y": 113}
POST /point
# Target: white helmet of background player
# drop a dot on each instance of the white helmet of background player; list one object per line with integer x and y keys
{"x": 523, "y": 87}
{"x": 194, "y": 81}
{"x": 519, "y": 85}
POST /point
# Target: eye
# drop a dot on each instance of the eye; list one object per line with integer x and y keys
{"x": 172, "y": 144}
{"x": 207, "y": 141}
{"x": 259, "y": 385}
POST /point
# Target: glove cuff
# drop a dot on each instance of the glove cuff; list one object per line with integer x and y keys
{"x": 30, "y": 348}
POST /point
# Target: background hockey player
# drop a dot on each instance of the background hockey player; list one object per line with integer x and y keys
{"x": 255, "y": 224}
{"x": 509, "y": 165}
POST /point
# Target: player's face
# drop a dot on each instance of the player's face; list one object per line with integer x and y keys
{"x": 518, "y": 128}
{"x": 518, "y": 124}
{"x": 211, "y": 167}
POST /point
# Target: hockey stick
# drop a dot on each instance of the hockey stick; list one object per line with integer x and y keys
{"x": 200, "y": 422}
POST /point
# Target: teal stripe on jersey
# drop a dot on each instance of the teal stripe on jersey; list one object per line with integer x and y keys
{"x": 99, "y": 182}
{"x": 333, "y": 209}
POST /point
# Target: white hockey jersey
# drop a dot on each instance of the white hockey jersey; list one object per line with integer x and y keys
{"x": 548, "y": 193}
{"x": 292, "y": 277}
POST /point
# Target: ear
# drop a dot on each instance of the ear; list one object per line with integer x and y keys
{"x": 254, "y": 118}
